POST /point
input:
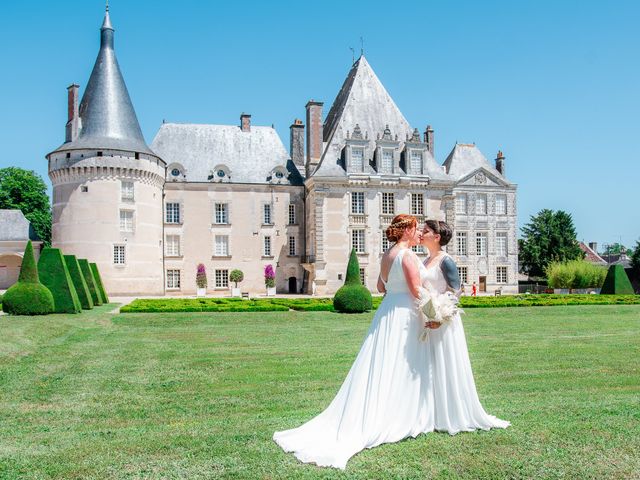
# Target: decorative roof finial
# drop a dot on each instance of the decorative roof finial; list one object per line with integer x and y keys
{"x": 107, "y": 7}
{"x": 361, "y": 47}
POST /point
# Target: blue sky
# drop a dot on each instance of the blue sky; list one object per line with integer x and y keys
{"x": 554, "y": 85}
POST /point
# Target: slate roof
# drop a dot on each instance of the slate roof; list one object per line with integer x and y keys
{"x": 466, "y": 158}
{"x": 363, "y": 100}
{"x": 250, "y": 156}
{"x": 107, "y": 118}
{"x": 14, "y": 226}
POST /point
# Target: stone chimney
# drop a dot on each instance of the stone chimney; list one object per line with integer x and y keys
{"x": 73, "y": 116}
{"x": 500, "y": 162}
{"x": 296, "y": 147}
{"x": 428, "y": 139}
{"x": 593, "y": 246}
{"x": 314, "y": 135}
{"x": 245, "y": 122}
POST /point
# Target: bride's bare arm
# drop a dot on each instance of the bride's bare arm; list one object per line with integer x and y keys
{"x": 381, "y": 287}
{"x": 411, "y": 273}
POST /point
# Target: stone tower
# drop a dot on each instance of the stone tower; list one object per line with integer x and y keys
{"x": 108, "y": 184}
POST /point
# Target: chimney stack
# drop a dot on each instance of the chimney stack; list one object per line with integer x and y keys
{"x": 73, "y": 116}
{"x": 245, "y": 122}
{"x": 593, "y": 246}
{"x": 428, "y": 139}
{"x": 296, "y": 148}
{"x": 314, "y": 135}
{"x": 500, "y": 162}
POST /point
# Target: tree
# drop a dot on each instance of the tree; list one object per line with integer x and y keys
{"x": 614, "y": 249}
{"x": 548, "y": 237}
{"x": 635, "y": 260}
{"x": 26, "y": 191}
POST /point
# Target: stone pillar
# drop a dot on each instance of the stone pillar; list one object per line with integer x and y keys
{"x": 245, "y": 122}
{"x": 429, "y": 140}
{"x": 500, "y": 162}
{"x": 314, "y": 135}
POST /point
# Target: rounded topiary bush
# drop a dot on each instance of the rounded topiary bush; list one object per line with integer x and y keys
{"x": 352, "y": 299}
{"x": 28, "y": 299}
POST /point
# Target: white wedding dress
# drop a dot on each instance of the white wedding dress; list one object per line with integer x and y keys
{"x": 389, "y": 392}
{"x": 456, "y": 404}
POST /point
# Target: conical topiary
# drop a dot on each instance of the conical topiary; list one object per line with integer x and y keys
{"x": 54, "y": 275}
{"x": 28, "y": 296}
{"x": 352, "y": 297}
{"x": 617, "y": 282}
{"x": 99, "y": 284}
{"x": 91, "y": 282}
{"x": 79, "y": 282}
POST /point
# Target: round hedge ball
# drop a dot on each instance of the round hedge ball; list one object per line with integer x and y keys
{"x": 28, "y": 299}
{"x": 352, "y": 299}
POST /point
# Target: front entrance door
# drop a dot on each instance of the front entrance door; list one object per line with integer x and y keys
{"x": 293, "y": 285}
{"x": 483, "y": 284}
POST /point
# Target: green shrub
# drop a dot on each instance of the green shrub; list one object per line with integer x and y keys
{"x": 91, "y": 282}
{"x": 86, "y": 302}
{"x": 352, "y": 297}
{"x": 54, "y": 275}
{"x": 575, "y": 274}
{"x": 236, "y": 276}
{"x": 28, "y": 296}
{"x": 99, "y": 284}
{"x": 617, "y": 282}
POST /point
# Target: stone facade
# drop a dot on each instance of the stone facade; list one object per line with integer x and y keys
{"x": 231, "y": 196}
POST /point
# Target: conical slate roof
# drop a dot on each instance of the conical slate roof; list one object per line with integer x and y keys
{"x": 107, "y": 118}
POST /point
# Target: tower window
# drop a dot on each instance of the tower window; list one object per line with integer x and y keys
{"x": 99, "y": 154}
{"x": 137, "y": 156}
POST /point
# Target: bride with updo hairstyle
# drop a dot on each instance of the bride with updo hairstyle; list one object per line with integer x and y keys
{"x": 387, "y": 393}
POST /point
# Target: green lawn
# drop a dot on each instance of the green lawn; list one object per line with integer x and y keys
{"x": 198, "y": 395}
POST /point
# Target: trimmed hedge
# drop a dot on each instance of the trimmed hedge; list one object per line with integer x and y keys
{"x": 91, "y": 282}
{"x": 326, "y": 304}
{"x": 617, "y": 282}
{"x": 86, "y": 302}
{"x": 54, "y": 275}
{"x": 352, "y": 297}
{"x": 28, "y": 296}
{"x": 99, "y": 284}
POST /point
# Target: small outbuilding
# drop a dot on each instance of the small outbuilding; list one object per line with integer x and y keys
{"x": 15, "y": 232}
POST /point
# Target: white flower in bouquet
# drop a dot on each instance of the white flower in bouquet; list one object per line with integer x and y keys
{"x": 437, "y": 307}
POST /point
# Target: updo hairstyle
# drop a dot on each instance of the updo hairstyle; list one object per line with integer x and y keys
{"x": 398, "y": 226}
{"x": 442, "y": 229}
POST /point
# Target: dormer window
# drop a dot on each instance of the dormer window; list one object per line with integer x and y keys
{"x": 279, "y": 174}
{"x": 416, "y": 162}
{"x": 175, "y": 172}
{"x": 357, "y": 159}
{"x": 386, "y": 163}
{"x": 220, "y": 173}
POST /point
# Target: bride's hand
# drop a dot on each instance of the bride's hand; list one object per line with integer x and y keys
{"x": 432, "y": 325}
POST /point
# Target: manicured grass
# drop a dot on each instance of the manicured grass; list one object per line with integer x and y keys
{"x": 198, "y": 395}
{"x": 303, "y": 304}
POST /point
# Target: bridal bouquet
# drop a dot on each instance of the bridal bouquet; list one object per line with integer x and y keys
{"x": 437, "y": 307}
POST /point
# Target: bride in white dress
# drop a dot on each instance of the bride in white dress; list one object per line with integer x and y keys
{"x": 455, "y": 400}
{"x": 388, "y": 394}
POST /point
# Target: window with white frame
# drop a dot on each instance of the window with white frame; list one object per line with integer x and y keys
{"x": 481, "y": 244}
{"x": 222, "y": 278}
{"x": 267, "y": 217}
{"x": 172, "y": 245}
{"x": 266, "y": 246}
{"x": 127, "y": 191}
{"x": 416, "y": 162}
{"x": 126, "y": 220}
{"x": 385, "y": 242}
{"x": 173, "y": 279}
{"x": 292, "y": 214}
{"x": 418, "y": 249}
{"x": 221, "y": 248}
{"x": 481, "y": 204}
{"x": 292, "y": 245}
{"x": 501, "y": 244}
{"x": 357, "y": 240}
{"x": 172, "y": 212}
{"x": 363, "y": 276}
{"x": 357, "y": 202}
{"x": 461, "y": 203}
{"x": 388, "y": 203}
{"x": 461, "y": 243}
{"x": 221, "y": 215}
{"x": 501, "y": 274}
{"x": 501, "y": 204}
{"x": 386, "y": 164}
{"x": 357, "y": 159}
{"x": 417, "y": 204}
{"x": 463, "y": 274}
{"x": 118, "y": 255}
